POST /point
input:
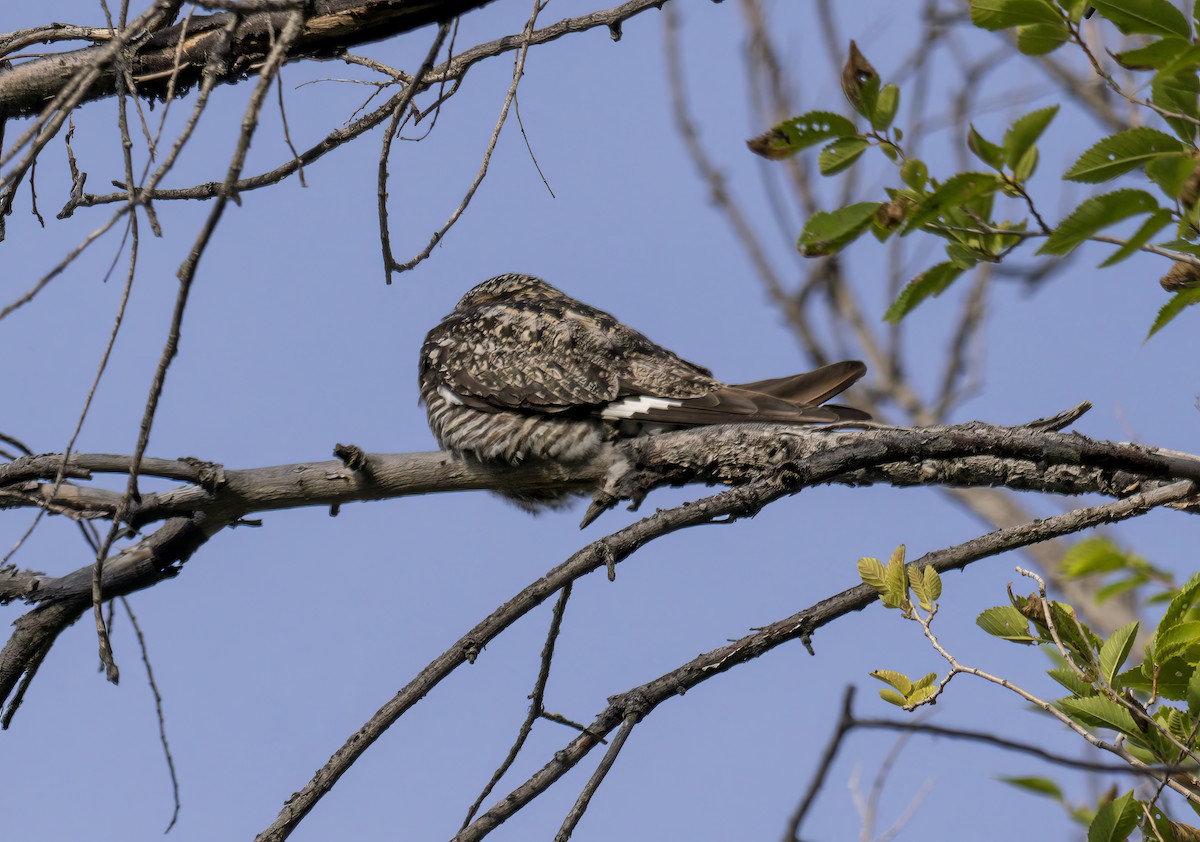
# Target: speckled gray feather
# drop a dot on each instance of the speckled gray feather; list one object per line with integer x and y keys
{"x": 520, "y": 371}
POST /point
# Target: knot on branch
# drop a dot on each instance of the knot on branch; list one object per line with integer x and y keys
{"x": 209, "y": 475}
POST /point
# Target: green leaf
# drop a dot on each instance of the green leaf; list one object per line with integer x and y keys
{"x": 921, "y": 694}
{"x": 1181, "y": 603}
{"x": 1175, "y": 89}
{"x": 955, "y": 191}
{"x": 828, "y": 233}
{"x": 1115, "y": 820}
{"x": 1040, "y": 786}
{"x": 1115, "y": 650}
{"x": 1091, "y": 556}
{"x": 984, "y": 149}
{"x": 896, "y": 679}
{"x": 1193, "y": 692}
{"x": 1095, "y": 214}
{"x": 893, "y": 697}
{"x": 1154, "y": 223}
{"x": 1181, "y": 300}
{"x": 872, "y": 572}
{"x": 1004, "y": 14}
{"x": 790, "y": 136}
{"x": 1099, "y": 712}
{"x": 1039, "y": 39}
{"x": 1024, "y": 133}
{"x": 1117, "y": 588}
{"x": 1069, "y": 679}
{"x": 840, "y": 154}
{"x": 1175, "y": 640}
{"x": 1154, "y": 56}
{"x": 933, "y": 583}
{"x": 1149, "y": 17}
{"x": 1170, "y": 172}
{"x": 1170, "y": 679}
{"x": 1006, "y": 622}
{"x": 914, "y": 173}
{"x": 932, "y": 281}
{"x": 887, "y": 101}
{"x": 1119, "y": 153}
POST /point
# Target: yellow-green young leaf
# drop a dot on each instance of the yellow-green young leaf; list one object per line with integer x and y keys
{"x": 1099, "y": 712}
{"x": 1193, "y": 692}
{"x": 1115, "y": 820}
{"x": 887, "y": 101}
{"x": 896, "y": 580}
{"x": 1094, "y": 215}
{"x": 871, "y": 571}
{"x": 924, "y": 681}
{"x": 1154, "y": 223}
{"x": 1006, "y": 622}
{"x": 1024, "y": 133}
{"x": 790, "y": 136}
{"x": 1004, "y": 14}
{"x": 1179, "y": 301}
{"x": 896, "y": 679}
{"x": 893, "y": 697}
{"x": 919, "y": 696}
{"x": 1115, "y": 650}
{"x": 1149, "y": 17}
{"x": 1092, "y": 555}
{"x": 933, "y": 583}
{"x": 932, "y": 282}
{"x": 840, "y": 154}
{"x": 1124, "y": 151}
{"x": 1041, "y": 786}
{"x": 1076, "y": 636}
{"x": 1038, "y": 39}
{"x": 828, "y": 233}
{"x": 1154, "y": 56}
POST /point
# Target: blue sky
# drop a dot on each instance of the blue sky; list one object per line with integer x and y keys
{"x": 274, "y": 644}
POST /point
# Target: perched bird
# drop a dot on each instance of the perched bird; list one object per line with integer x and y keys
{"x": 520, "y": 371}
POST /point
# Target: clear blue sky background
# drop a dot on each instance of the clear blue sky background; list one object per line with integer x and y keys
{"x": 276, "y": 643}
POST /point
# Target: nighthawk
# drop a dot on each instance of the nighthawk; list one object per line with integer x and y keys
{"x": 522, "y": 372}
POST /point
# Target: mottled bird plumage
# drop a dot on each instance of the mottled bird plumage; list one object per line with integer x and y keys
{"x": 520, "y": 371}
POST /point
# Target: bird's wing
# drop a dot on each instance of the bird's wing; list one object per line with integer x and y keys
{"x": 811, "y": 387}
{"x": 551, "y": 357}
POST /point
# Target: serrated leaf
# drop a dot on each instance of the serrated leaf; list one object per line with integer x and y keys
{"x": 1115, "y": 820}
{"x": 1170, "y": 172}
{"x": 1099, "y": 712}
{"x": 1175, "y": 89}
{"x": 1119, "y": 153}
{"x": 895, "y": 580}
{"x": 1006, "y": 622}
{"x": 1170, "y": 679}
{"x": 828, "y": 233}
{"x": 887, "y": 101}
{"x": 892, "y": 696}
{"x": 986, "y": 151}
{"x": 871, "y": 571}
{"x": 1040, "y": 39}
{"x": 840, "y": 154}
{"x": 957, "y": 190}
{"x": 1175, "y": 640}
{"x": 1024, "y": 133}
{"x": 1154, "y": 56}
{"x": 920, "y": 695}
{"x": 1181, "y": 603}
{"x": 898, "y": 680}
{"x": 1193, "y": 692}
{"x": 1178, "y": 303}
{"x": 1117, "y": 588}
{"x": 1094, "y": 215}
{"x": 791, "y": 136}
{"x": 1004, "y": 14}
{"x": 1149, "y": 17}
{"x": 1115, "y": 650}
{"x": 1041, "y": 786}
{"x": 1154, "y": 223}
{"x": 1069, "y": 679}
{"x": 932, "y": 282}
{"x": 932, "y": 584}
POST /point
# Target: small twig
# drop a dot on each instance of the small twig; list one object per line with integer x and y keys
{"x": 606, "y": 762}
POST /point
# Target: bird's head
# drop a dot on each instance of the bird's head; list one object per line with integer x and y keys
{"x": 511, "y": 287}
